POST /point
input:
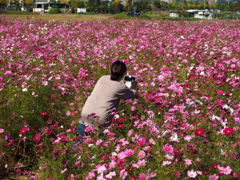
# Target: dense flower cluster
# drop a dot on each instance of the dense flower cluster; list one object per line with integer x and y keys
{"x": 184, "y": 125}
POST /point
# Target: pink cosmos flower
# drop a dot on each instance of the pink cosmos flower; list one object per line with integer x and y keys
{"x": 7, "y": 72}
{"x": 133, "y": 108}
{"x": 72, "y": 123}
{"x": 141, "y": 141}
{"x": 98, "y": 143}
{"x": 187, "y": 161}
{"x": 152, "y": 142}
{"x": 164, "y": 163}
{"x": 19, "y": 165}
{"x": 101, "y": 169}
{"x": 111, "y": 175}
{"x": 213, "y": 177}
{"x": 227, "y": 170}
{"x": 141, "y": 154}
{"x": 234, "y": 174}
{"x": 23, "y": 130}
{"x": 63, "y": 171}
{"x": 123, "y": 174}
{"x": 129, "y": 152}
{"x": 177, "y": 174}
{"x": 112, "y": 165}
{"x": 101, "y": 177}
{"x": 192, "y": 173}
{"x": 121, "y": 155}
{"x": 37, "y": 137}
{"x": 89, "y": 129}
{"x": 168, "y": 148}
{"x": 142, "y": 162}
{"x": 77, "y": 163}
{"x": 147, "y": 148}
{"x": 220, "y": 92}
{"x": 165, "y": 69}
{"x": 10, "y": 143}
{"x": 112, "y": 158}
{"x": 1, "y": 130}
{"x": 142, "y": 176}
{"x": 68, "y": 113}
{"x": 90, "y": 175}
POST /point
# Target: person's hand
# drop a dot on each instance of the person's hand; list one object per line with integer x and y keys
{"x": 134, "y": 85}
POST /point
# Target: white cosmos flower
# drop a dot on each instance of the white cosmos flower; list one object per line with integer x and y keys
{"x": 174, "y": 137}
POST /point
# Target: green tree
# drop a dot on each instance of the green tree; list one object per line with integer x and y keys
{"x": 63, "y": 1}
{"x": 116, "y": 7}
{"x": 28, "y": 2}
{"x": 136, "y": 5}
{"x": 164, "y": 5}
{"x": 222, "y": 6}
{"x": 3, "y": 1}
{"x": 204, "y": 5}
{"x": 144, "y": 6}
{"x": 74, "y": 4}
{"x": 93, "y": 4}
{"x": 128, "y": 5}
{"x": 234, "y": 6}
{"x": 81, "y": 4}
{"x": 174, "y": 5}
{"x": 192, "y": 5}
{"x": 103, "y": 7}
{"x": 157, "y": 4}
{"x": 17, "y": 2}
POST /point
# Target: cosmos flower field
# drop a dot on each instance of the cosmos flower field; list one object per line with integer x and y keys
{"x": 185, "y": 124}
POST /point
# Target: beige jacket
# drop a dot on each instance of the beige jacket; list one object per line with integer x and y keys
{"x": 104, "y": 101}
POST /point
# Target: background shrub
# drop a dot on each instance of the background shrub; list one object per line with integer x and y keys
{"x": 54, "y": 11}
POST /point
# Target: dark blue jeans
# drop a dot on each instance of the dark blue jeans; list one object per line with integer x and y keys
{"x": 80, "y": 133}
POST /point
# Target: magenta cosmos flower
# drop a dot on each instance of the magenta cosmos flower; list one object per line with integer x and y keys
{"x": 199, "y": 132}
{"x": 141, "y": 141}
{"x": 228, "y": 131}
{"x": 168, "y": 148}
{"x": 23, "y": 130}
{"x": 220, "y": 92}
{"x": 37, "y": 137}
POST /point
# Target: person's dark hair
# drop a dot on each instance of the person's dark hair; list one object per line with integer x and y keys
{"x": 118, "y": 68}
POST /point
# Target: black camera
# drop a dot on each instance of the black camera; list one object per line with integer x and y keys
{"x": 129, "y": 78}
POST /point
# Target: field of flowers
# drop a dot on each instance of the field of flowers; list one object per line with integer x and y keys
{"x": 184, "y": 125}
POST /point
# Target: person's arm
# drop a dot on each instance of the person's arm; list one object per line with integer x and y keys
{"x": 128, "y": 93}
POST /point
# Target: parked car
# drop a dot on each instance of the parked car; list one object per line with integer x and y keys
{"x": 133, "y": 13}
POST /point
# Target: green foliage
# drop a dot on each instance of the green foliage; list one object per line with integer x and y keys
{"x": 74, "y": 4}
{"x": 120, "y": 16}
{"x": 13, "y": 12}
{"x": 93, "y": 4}
{"x": 145, "y": 16}
{"x": 222, "y": 6}
{"x": 116, "y": 7}
{"x": 54, "y": 11}
{"x": 157, "y": 4}
{"x": 234, "y": 6}
{"x": 81, "y": 4}
{"x": 223, "y": 15}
